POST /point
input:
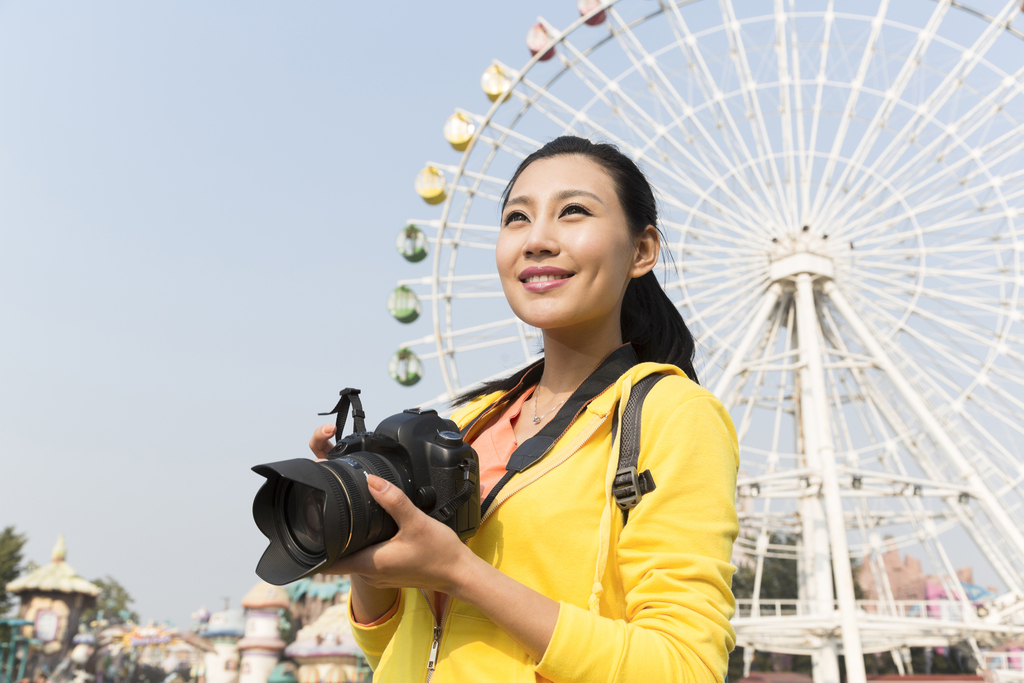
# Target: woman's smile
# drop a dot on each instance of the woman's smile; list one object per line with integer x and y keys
{"x": 543, "y": 278}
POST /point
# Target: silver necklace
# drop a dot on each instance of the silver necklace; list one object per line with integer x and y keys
{"x": 536, "y": 420}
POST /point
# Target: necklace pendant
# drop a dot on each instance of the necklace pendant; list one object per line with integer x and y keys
{"x": 536, "y": 420}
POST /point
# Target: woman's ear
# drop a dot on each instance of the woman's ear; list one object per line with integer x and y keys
{"x": 648, "y": 247}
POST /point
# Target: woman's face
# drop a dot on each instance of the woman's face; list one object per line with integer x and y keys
{"x": 564, "y": 251}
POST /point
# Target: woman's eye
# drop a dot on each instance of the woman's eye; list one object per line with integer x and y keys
{"x": 515, "y": 216}
{"x": 575, "y": 209}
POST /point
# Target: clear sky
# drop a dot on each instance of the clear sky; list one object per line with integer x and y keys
{"x": 198, "y": 208}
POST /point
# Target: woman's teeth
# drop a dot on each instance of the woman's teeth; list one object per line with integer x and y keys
{"x": 546, "y": 278}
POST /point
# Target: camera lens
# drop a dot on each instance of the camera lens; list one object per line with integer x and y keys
{"x": 304, "y": 517}
{"x": 315, "y": 513}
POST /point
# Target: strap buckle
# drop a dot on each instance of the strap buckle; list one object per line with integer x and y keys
{"x": 629, "y": 488}
{"x": 626, "y": 488}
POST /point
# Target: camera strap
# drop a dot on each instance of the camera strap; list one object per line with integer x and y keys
{"x": 442, "y": 512}
{"x": 534, "y": 448}
{"x": 348, "y": 395}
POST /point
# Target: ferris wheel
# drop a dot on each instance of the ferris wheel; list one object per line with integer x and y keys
{"x": 842, "y": 187}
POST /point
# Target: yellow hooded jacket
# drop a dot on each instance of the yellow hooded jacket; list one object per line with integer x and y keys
{"x": 648, "y": 602}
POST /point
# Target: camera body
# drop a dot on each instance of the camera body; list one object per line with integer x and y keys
{"x": 428, "y": 452}
{"x": 315, "y": 513}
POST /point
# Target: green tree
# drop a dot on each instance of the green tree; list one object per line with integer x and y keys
{"x": 11, "y": 544}
{"x": 778, "y": 582}
{"x": 114, "y": 600}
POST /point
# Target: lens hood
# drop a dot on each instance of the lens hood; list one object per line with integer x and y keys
{"x": 285, "y": 560}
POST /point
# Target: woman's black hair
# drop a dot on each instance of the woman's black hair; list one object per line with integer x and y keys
{"x": 650, "y": 321}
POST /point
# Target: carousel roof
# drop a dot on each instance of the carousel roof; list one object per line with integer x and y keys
{"x": 55, "y": 576}
{"x": 329, "y": 636}
{"x": 229, "y": 623}
{"x": 266, "y": 596}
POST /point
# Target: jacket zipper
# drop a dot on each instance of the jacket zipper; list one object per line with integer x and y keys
{"x": 438, "y": 627}
{"x": 439, "y": 623}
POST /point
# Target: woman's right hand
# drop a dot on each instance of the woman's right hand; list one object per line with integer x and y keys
{"x": 368, "y": 603}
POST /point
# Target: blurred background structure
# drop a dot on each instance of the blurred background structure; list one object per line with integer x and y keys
{"x": 198, "y": 201}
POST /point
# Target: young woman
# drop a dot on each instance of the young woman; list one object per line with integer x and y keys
{"x": 555, "y": 585}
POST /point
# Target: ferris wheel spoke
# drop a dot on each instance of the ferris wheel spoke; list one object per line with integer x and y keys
{"x": 950, "y": 84}
{"x": 716, "y": 237}
{"x": 678, "y": 107}
{"x": 816, "y": 109}
{"x": 943, "y": 359}
{"x": 877, "y": 231}
{"x": 737, "y": 322}
{"x": 716, "y": 228}
{"x": 729, "y": 291}
{"x": 467, "y": 227}
{"x": 527, "y": 144}
{"x": 751, "y": 219}
{"x": 969, "y": 249}
{"x": 984, "y": 112}
{"x": 878, "y": 310}
{"x": 750, "y": 96}
{"x": 929, "y": 185}
{"x": 749, "y": 327}
{"x": 986, "y": 273}
{"x": 497, "y": 183}
{"x": 1012, "y": 467}
{"x": 847, "y": 116}
{"x": 710, "y": 90}
{"x": 889, "y": 102}
{"x": 923, "y": 117}
{"x": 795, "y": 171}
{"x": 681, "y": 179}
{"x": 786, "y": 82}
{"x": 943, "y": 300}
{"x": 692, "y": 281}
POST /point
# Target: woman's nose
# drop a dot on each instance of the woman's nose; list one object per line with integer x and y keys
{"x": 541, "y": 239}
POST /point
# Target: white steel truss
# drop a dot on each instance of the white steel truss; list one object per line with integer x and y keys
{"x": 841, "y": 193}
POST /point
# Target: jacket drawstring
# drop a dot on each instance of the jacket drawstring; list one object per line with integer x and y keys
{"x": 604, "y": 530}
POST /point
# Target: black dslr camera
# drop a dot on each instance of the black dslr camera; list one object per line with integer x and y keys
{"x": 317, "y": 512}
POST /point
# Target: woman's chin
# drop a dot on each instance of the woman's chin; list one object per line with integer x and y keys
{"x": 546, "y": 317}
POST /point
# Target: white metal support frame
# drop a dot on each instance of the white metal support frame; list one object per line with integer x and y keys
{"x": 815, "y": 420}
{"x": 986, "y": 498}
{"x": 840, "y": 188}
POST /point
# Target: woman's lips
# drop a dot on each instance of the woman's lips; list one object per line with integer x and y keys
{"x": 545, "y": 284}
{"x": 543, "y": 278}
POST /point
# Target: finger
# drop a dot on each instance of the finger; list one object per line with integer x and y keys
{"x": 392, "y": 499}
{"x": 362, "y": 563}
{"x": 320, "y": 443}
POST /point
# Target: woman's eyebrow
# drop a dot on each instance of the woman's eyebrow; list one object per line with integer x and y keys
{"x": 521, "y": 199}
{"x": 560, "y": 197}
{"x": 569, "y": 194}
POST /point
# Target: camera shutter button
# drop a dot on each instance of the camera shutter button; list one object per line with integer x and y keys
{"x": 449, "y": 439}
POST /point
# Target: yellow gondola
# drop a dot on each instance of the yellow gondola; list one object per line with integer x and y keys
{"x": 430, "y": 185}
{"x": 458, "y": 131}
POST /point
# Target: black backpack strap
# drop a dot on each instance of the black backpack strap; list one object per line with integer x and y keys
{"x": 628, "y": 487}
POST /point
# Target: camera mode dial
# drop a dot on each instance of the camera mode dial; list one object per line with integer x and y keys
{"x": 449, "y": 439}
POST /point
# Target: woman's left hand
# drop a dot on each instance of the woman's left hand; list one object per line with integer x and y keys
{"x": 423, "y": 554}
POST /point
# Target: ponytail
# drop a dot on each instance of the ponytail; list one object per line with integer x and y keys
{"x": 652, "y": 324}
